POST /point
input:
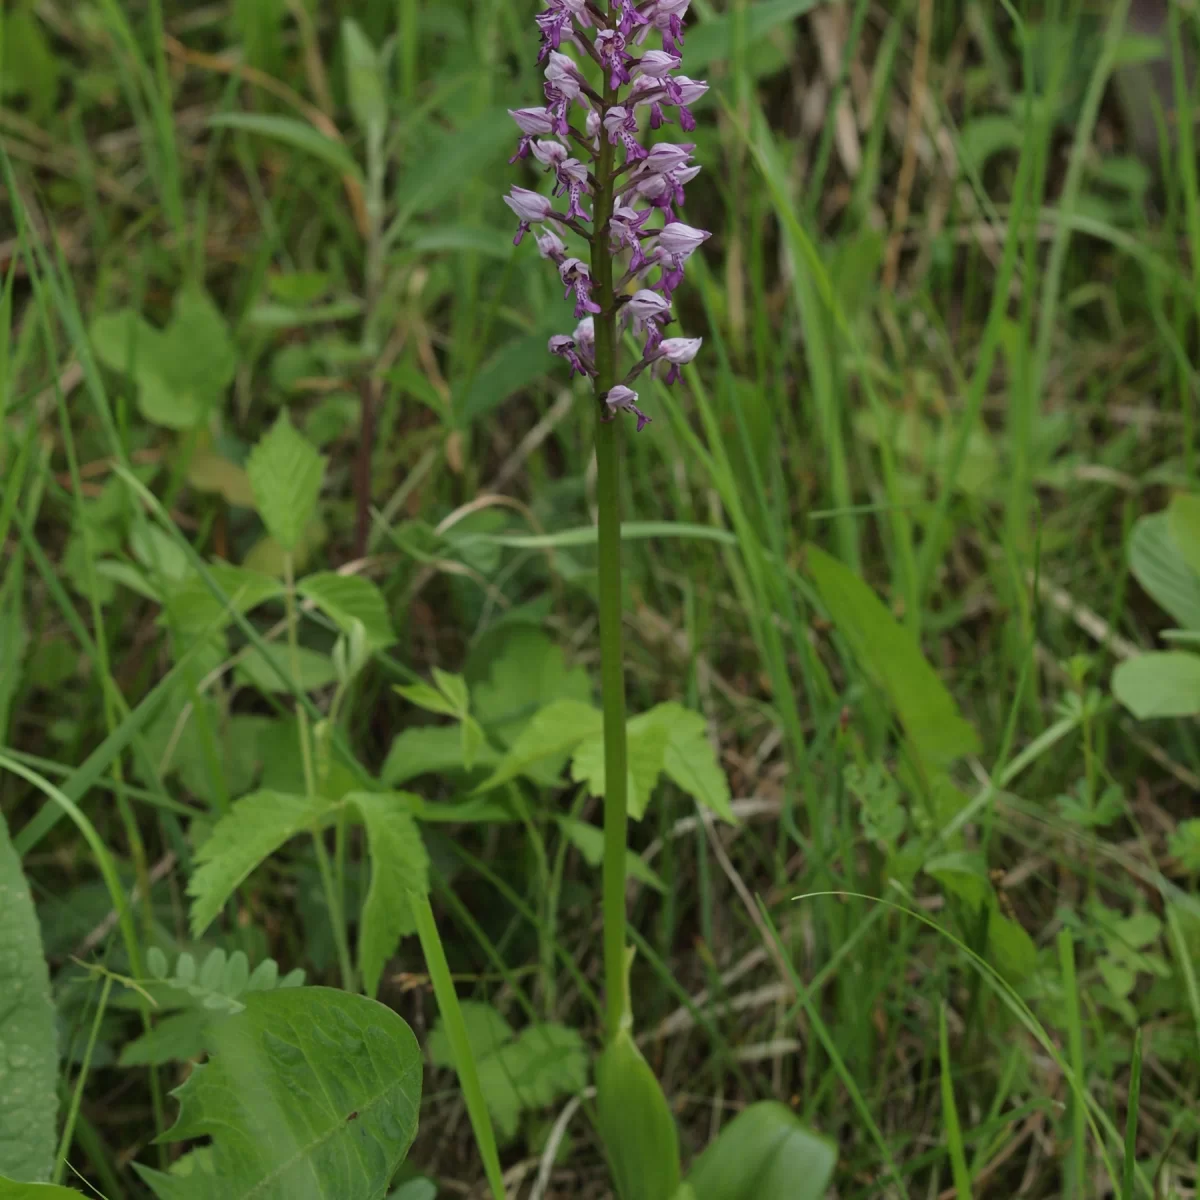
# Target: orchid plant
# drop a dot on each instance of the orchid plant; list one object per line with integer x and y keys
{"x": 592, "y": 136}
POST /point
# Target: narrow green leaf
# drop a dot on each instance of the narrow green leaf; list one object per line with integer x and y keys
{"x": 254, "y": 828}
{"x": 365, "y": 81}
{"x": 954, "y": 1140}
{"x": 399, "y": 865}
{"x": 291, "y": 132}
{"x": 309, "y": 1092}
{"x": 29, "y": 1059}
{"x": 285, "y": 473}
{"x": 889, "y": 655}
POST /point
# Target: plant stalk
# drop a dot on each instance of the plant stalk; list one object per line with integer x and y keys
{"x": 612, "y": 674}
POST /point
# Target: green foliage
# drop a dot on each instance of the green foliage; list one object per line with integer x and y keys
{"x": 366, "y": 81}
{"x": 347, "y": 599}
{"x": 589, "y": 841}
{"x": 12, "y": 1190}
{"x": 764, "y": 1153}
{"x": 28, "y": 67}
{"x": 398, "y": 866}
{"x": 219, "y": 982}
{"x": 309, "y": 1092}
{"x": 255, "y": 828}
{"x": 29, "y": 1058}
{"x": 1184, "y": 844}
{"x": 181, "y": 371}
{"x": 1161, "y": 684}
{"x": 285, "y": 473}
{"x": 635, "y": 1123}
{"x": 888, "y": 655}
{"x": 520, "y": 1072}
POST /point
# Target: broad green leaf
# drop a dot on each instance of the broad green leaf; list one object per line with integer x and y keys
{"x": 257, "y": 668}
{"x": 423, "y": 695}
{"x": 589, "y": 841}
{"x": 982, "y": 137}
{"x": 689, "y": 760}
{"x": 635, "y": 1123}
{"x": 646, "y": 747}
{"x": 487, "y": 1031}
{"x": 194, "y": 609}
{"x": 1010, "y": 947}
{"x": 11, "y": 1190}
{"x": 963, "y": 874}
{"x": 1162, "y": 684}
{"x": 251, "y": 831}
{"x": 1159, "y": 566}
{"x": 29, "y": 1056}
{"x": 1183, "y": 524}
{"x": 174, "y": 1038}
{"x": 310, "y": 1093}
{"x": 364, "y": 79}
{"x": 430, "y": 750}
{"x": 890, "y": 656}
{"x": 509, "y": 370}
{"x": 345, "y": 599}
{"x": 297, "y": 134}
{"x": 28, "y": 65}
{"x": 454, "y": 688}
{"x": 541, "y": 1064}
{"x": 399, "y": 865}
{"x": 285, "y": 473}
{"x": 764, "y": 1153}
{"x": 556, "y": 730}
{"x": 208, "y": 472}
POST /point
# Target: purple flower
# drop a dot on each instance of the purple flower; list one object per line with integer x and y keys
{"x": 678, "y": 352}
{"x": 553, "y": 22}
{"x": 676, "y": 243}
{"x": 564, "y": 347}
{"x": 667, "y": 17}
{"x": 654, "y": 64}
{"x": 551, "y": 246}
{"x": 625, "y": 233}
{"x": 646, "y": 311}
{"x": 572, "y": 179}
{"x": 621, "y": 125}
{"x": 623, "y": 399}
{"x": 531, "y": 121}
{"x": 530, "y": 207}
{"x": 610, "y": 46}
{"x": 585, "y": 336}
{"x": 578, "y": 279}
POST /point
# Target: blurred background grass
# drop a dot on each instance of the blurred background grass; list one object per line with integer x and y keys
{"x": 950, "y": 318}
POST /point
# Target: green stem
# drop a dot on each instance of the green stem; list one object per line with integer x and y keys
{"x": 332, "y": 900}
{"x": 612, "y": 675}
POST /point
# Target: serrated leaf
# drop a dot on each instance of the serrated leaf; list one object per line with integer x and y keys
{"x": 646, "y": 748}
{"x": 689, "y": 760}
{"x": 1162, "y": 684}
{"x": 430, "y": 750}
{"x": 310, "y": 1092}
{"x": 251, "y": 831}
{"x": 589, "y": 841}
{"x": 297, "y": 134}
{"x": 1159, "y": 566}
{"x": 285, "y": 473}
{"x": 487, "y": 1031}
{"x": 29, "y": 1060}
{"x": 764, "y": 1153}
{"x": 175, "y": 1038}
{"x": 399, "y": 865}
{"x": 556, "y": 730}
{"x": 889, "y": 655}
{"x": 345, "y": 599}
{"x": 635, "y": 1123}
{"x": 543, "y": 1063}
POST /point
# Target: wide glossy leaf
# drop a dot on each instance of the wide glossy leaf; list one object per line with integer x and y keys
{"x": 1159, "y": 565}
{"x": 285, "y": 473}
{"x": 1162, "y": 684}
{"x": 291, "y": 132}
{"x": 889, "y": 655}
{"x": 345, "y": 599}
{"x": 399, "y": 865}
{"x": 309, "y": 1093}
{"x": 11, "y": 1190}
{"x": 635, "y": 1124}
{"x": 29, "y": 1057}
{"x": 764, "y": 1153}
{"x": 252, "y": 830}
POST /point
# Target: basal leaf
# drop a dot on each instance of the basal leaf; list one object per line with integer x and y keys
{"x": 889, "y": 655}
{"x": 635, "y": 1124}
{"x": 556, "y": 730}
{"x": 399, "y": 865}
{"x": 29, "y": 1058}
{"x": 285, "y": 473}
{"x": 345, "y": 599}
{"x": 764, "y": 1153}
{"x": 310, "y": 1093}
{"x": 251, "y": 831}
{"x": 1162, "y": 684}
